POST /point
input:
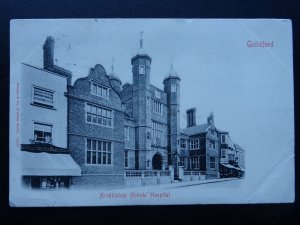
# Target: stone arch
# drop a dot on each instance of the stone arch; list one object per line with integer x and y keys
{"x": 157, "y": 161}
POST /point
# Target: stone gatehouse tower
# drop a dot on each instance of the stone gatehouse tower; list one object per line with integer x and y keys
{"x": 155, "y": 113}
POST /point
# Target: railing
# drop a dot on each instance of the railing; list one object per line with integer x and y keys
{"x": 145, "y": 173}
{"x": 194, "y": 173}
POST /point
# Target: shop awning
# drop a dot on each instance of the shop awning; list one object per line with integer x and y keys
{"x": 228, "y": 166}
{"x": 242, "y": 169}
{"x": 47, "y": 164}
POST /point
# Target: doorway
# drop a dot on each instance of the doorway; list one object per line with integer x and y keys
{"x": 157, "y": 161}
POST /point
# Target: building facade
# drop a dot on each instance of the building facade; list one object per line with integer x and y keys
{"x": 105, "y": 130}
{"x": 46, "y": 161}
{"x": 96, "y": 128}
{"x": 210, "y": 151}
{"x": 154, "y": 114}
{"x": 203, "y": 145}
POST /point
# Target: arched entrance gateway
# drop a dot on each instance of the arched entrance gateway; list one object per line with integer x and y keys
{"x": 157, "y": 162}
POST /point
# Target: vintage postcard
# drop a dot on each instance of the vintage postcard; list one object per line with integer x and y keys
{"x": 107, "y": 112}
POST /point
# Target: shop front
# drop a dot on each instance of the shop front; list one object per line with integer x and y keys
{"x": 48, "y": 170}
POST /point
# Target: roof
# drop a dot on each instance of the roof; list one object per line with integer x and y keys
{"x": 127, "y": 116}
{"x": 172, "y": 74}
{"x": 44, "y": 70}
{"x": 239, "y": 147}
{"x": 156, "y": 88}
{"x": 223, "y": 132}
{"x": 141, "y": 51}
{"x": 202, "y": 128}
{"x": 114, "y": 76}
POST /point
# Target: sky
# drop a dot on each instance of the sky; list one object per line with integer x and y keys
{"x": 249, "y": 90}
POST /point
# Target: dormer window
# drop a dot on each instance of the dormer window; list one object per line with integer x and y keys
{"x": 142, "y": 69}
{"x": 100, "y": 90}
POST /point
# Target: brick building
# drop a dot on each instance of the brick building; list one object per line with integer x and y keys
{"x": 114, "y": 127}
{"x": 210, "y": 151}
{"x": 155, "y": 117}
{"x": 112, "y": 130}
{"x": 202, "y": 144}
{"x": 96, "y": 128}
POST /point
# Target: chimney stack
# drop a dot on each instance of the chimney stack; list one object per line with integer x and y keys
{"x": 210, "y": 118}
{"x": 191, "y": 117}
{"x": 48, "y": 48}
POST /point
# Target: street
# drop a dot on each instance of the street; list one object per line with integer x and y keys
{"x": 265, "y": 189}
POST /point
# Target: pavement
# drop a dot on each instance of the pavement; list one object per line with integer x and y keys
{"x": 181, "y": 184}
{"x": 198, "y": 182}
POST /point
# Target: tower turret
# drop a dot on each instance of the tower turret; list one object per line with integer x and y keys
{"x": 172, "y": 88}
{"x": 141, "y": 66}
{"x": 141, "y": 108}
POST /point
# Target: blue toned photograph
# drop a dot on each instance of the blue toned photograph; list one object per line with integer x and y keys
{"x": 108, "y": 112}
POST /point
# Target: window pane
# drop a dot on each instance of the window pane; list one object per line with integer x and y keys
{"x": 109, "y": 122}
{"x": 47, "y": 134}
{"x": 109, "y": 147}
{"x": 42, "y": 127}
{"x": 99, "y": 111}
{"x": 39, "y": 135}
{"x": 104, "y": 92}
{"x": 93, "y": 157}
{"x": 109, "y": 113}
{"x": 88, "y": 157}
{"x": 94, "y": 119}
{"x": 89, "y": 108}
{"x": 89, "y": 117}
{"x": 108, "y": 158}
{"x": 99, "y": 145}
{"x": 94, "y": 147}
{"x": 94, "y": 89}
{"x": 94, "y": 109}
{"x": 104, "y": 121}
{"x": 99, "y": 158}
{"x": 104, "y": 158}
{"x": 99, "y": 90}
{"x": 99, "y": 119}
{"x": 104, "y": 112}
{"x": 89, "y": 144}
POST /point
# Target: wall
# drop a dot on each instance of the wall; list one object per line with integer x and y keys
{"x": 30, "y": 113}
{"x": 80, "y": 130}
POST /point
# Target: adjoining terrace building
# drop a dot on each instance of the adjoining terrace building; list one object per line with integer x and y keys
{"x": 45, "y": 156}
{"x": 209, "y": 151}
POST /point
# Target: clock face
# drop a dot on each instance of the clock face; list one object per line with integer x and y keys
{"x": 141, "y": 69}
